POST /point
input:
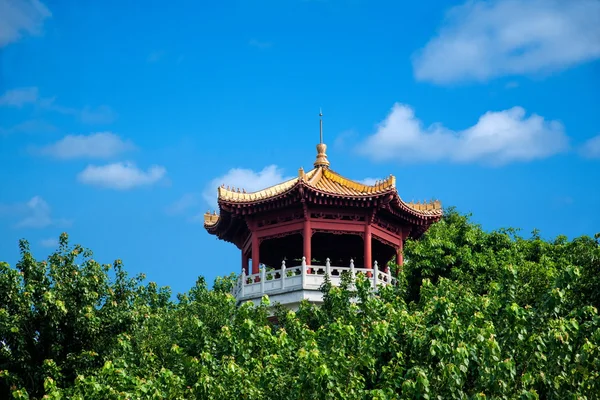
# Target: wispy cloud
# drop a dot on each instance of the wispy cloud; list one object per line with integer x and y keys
{"x": 248, "y": 179}
{"x": 481, "y": 40}
{"x": 35, "y": 213}
{"x": 121, "y": 175}
{"x": 259, "y": 44}
{"x": 98, "y": 115}
{"x": 344, "y": 138}
{"x": 591, "y": 148}
{"x": 21, "y": 17}
{"x": 30, "y": 126}
{"x": 88, "y": 115}
{"x": 497, "y": 138}
{"x": 95, "y": 145}
{"x": 183, "y": 204}
{"x": 21, "y": 97}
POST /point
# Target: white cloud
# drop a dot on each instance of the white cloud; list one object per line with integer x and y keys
{"x": 121, "y": 175}
{"x": 49, "y": 242}
{"x": 497, "y": 138}
{"x": 482, "y": 40}
{"x": 20, "y": 96}
{"x": 19, "y": 17}
{"x": 35, "y": 213}
{"x": 95, "y": 145}
{"x": 244, "y": 178}
{"x": 591, "y": 148}
{"x": 39, "y": 214}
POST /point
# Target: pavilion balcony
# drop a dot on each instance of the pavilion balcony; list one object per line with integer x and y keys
{"x": 290, "y": 285}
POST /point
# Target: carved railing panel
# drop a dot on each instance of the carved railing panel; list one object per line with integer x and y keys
{"x": 304, "y": 277}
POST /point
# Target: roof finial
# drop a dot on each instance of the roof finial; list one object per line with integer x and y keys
{"x": 321, "y": 160}
{"x": 320, "y": 125}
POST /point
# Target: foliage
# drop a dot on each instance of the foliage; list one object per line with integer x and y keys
{"x": 476, "y": 315}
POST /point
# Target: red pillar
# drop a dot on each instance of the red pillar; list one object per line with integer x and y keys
{"x": 244, "y": 262}
{"x": 307, "y": 239}
{"x": 255, "y": 253}
{"x": 368, "y": 257}
{"x": 400, "y": 253}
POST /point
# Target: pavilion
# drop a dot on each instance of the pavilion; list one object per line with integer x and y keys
{"x": 315, "y": 224}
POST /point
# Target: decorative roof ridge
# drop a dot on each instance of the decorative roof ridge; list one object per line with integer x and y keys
{"x": 380, "y": 186}
{"x": 240, "y": 195}
{"x": 433, "y": 207}
{"x": 316, "y": 176}
{"x": 211, "y": 218}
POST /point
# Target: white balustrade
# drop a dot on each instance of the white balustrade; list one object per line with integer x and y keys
{"x": 304, "y": 277}
{"x": 283, "y": 274}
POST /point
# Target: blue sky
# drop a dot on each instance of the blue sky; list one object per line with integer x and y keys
{"x": 119, "y": 119}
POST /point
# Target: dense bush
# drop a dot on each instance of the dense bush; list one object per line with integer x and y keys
{"x": 477, "y": 315}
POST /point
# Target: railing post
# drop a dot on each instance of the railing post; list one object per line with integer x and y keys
{"x": 389, "y": 275}
{"x": 352, "y": 275}
{"x": 262, "y": 279}
{"x": 283, "y": 274}
{"x": 243, "y": 282}
{"x": 303, "y": 268}
{"x": 328, "y": 267}
{"x": 376, "y": 273}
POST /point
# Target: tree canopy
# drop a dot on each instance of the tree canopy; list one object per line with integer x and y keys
{"x": 475, "y": 315}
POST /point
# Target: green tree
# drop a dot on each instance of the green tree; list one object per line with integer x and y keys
{"x": 61, "y": 317}
{"x": 475, "y": 315}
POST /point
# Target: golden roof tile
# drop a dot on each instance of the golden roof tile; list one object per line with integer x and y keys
{"x": 210, "y": 219}
{"x": 427, "y": 208}
{"x": 329, "y": 181}
{"x": 320, "y": 178}
{"x": 226, "y": 194}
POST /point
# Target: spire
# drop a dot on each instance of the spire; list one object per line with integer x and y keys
{"x": 320, "y": 126}
{"x": 321, "y": 160}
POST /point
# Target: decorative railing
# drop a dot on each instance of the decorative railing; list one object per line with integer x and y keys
{"x": 304, "y": 277}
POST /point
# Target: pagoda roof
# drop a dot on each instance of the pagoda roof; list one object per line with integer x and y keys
{"x": 320, "y": 179}
{"x": 320, "y": 187}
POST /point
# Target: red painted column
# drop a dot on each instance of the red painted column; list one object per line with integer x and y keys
{"x": 368, "y": 237}
{"x": 400, "y": 253}
{"x": 244, "y": 262}
{"x": 307, "y": 234}
{"x": 255, "y": 253}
